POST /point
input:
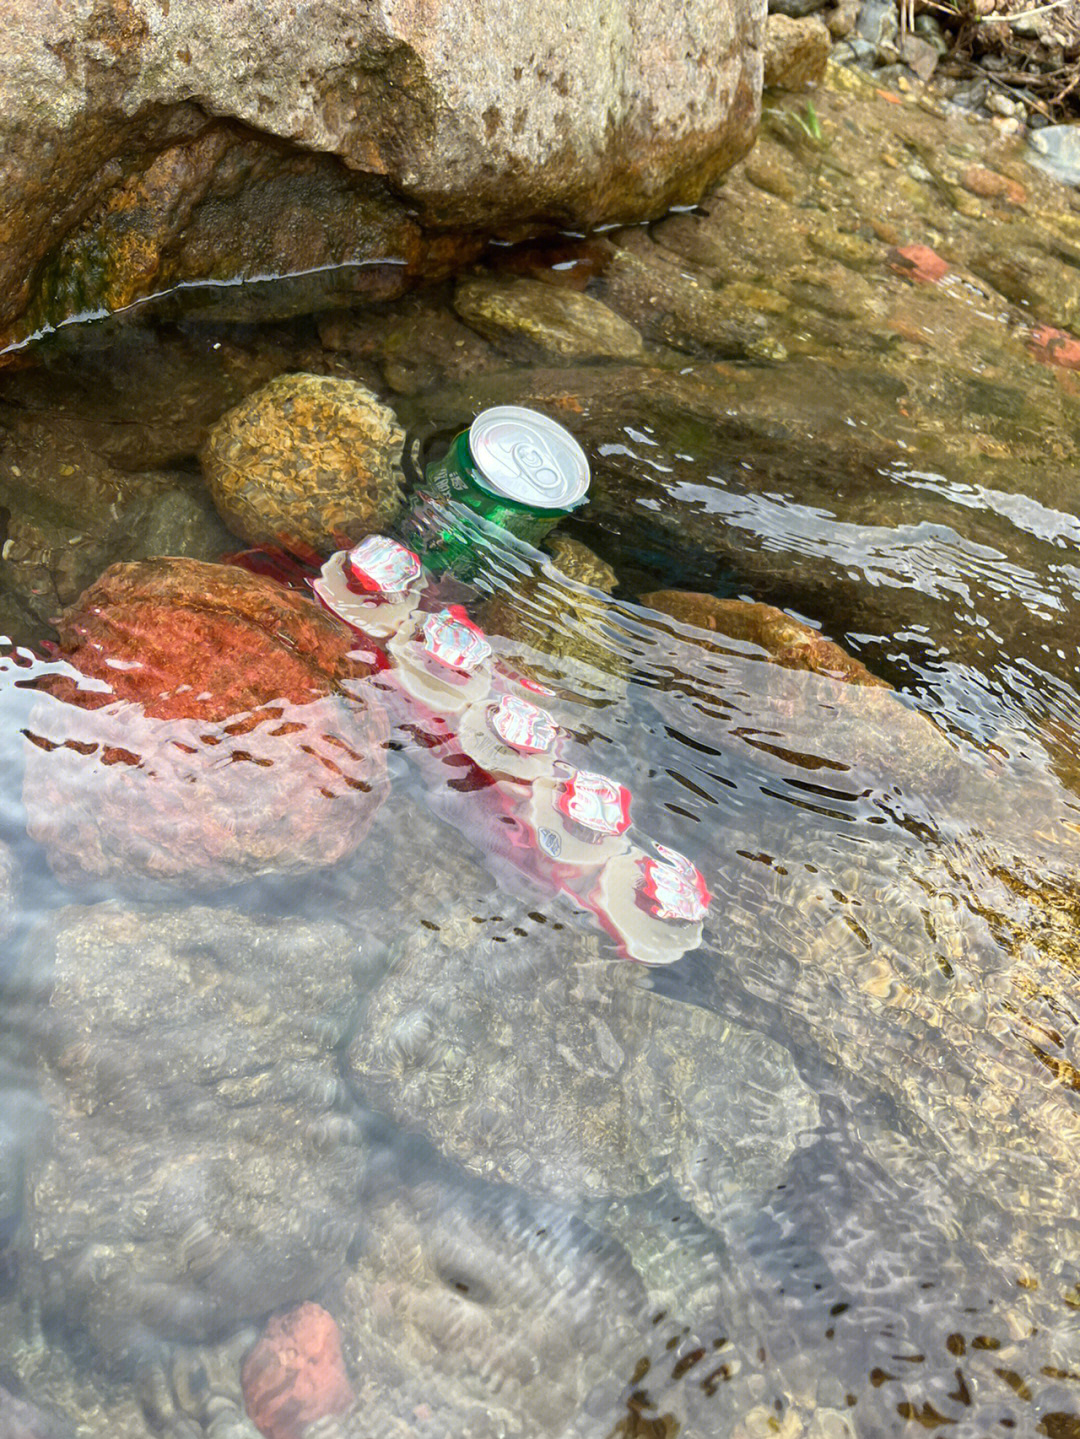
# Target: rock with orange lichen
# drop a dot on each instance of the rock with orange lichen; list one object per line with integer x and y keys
{"x": 203, "y": 738}
{"x": 307, "y": 459}
{"x": 791, "y": 644}
{"x": 296, "y": 1373}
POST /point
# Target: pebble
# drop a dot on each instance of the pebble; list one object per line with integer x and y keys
{"x": 1055, "y": 347}
{"x": 990, "y": 185}
{"x": 296, "y": 1373}
{"x": 999, "y": 104}
{"x": 918, "y": 262}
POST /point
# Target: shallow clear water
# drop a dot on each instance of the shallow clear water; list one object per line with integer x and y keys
{"x": 818, "y": 1177}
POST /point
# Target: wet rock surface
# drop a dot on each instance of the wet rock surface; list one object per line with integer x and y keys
{"x": 868, "y": 948}
{"x": 788, "y": 642}
{"x": 9, "y": 881}
{"x": 856, "y": 404}
{"x": 203, "y": 740}
{"x": 201, "y": 1164}
{"x": 308, "y": 461}
{"x": 555, "y": 618}
{"x": 986, "y": 1120}
{"x": 71, "y": 514}
{"x": 20, "y": 1419}
{"x": 534, "y": 319}
{"x": 491, "y": 1315}
{"x": 572, "y": 1078}
{"x": 191, "y": 149}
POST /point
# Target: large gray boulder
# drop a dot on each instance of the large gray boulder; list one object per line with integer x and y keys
{"x": 146, "y": 144}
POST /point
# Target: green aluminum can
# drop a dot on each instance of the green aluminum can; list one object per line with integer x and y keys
{"x": 514, "y": 469}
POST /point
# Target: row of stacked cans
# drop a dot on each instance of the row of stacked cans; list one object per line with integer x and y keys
{"x": 497, "y": 760}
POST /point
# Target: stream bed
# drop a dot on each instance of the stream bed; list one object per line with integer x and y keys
{"x": 817, "y": 1178}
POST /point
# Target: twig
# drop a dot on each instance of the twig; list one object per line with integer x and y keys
{"x": 1019, "y": 15}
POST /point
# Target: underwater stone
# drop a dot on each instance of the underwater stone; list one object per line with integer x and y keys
{"x": 789, "y": 643}
{"x": 296, "y": 1373}
{"x": 8, "y": 890}
{"x": 71, "y": 513}
{"x": 218, "y": 748}
{"x": 578, "y": 563}
{"x": 308, "y": 460}
{"x": 532, "y": 316}
{"x": 488, "y": 1313}
{"x": 550, "y": 1069}
{"x": 185, "y": 1057}
{"x": 643, "y": 286}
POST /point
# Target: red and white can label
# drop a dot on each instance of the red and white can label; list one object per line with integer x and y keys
{"x": 382, "y": 566}
{"x": 675, "y": 887}
{"x": 522, "y": 726}
{"x": 450, "y": 637}
{"x": 594, "y": 802}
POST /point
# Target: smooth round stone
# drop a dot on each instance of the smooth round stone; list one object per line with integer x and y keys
{"x": 308, "y": 461}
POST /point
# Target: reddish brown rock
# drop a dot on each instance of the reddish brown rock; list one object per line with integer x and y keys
{"x": 918, "y": 262}
{"x": 1055, "y": 347}
{"x": 205, "y": 740}
{"x": 296, "y": 1373}
{"x": 789, "y": 643}
{"x": 990, "y": 185}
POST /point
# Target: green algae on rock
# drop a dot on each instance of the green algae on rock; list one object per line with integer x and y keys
{"x": 308, "y": 460}
{"x": 214, "y": 746}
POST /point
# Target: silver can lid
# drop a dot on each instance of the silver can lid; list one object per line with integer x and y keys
{"x": 524, "y": 457}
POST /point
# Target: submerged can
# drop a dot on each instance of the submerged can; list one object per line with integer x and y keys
{"x": 514, "y": 469}
{"x": 652, "y": 908}
{"x": 374, "y": 587}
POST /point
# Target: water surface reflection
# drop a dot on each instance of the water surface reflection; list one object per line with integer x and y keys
{"x": 816, "y": 1178}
